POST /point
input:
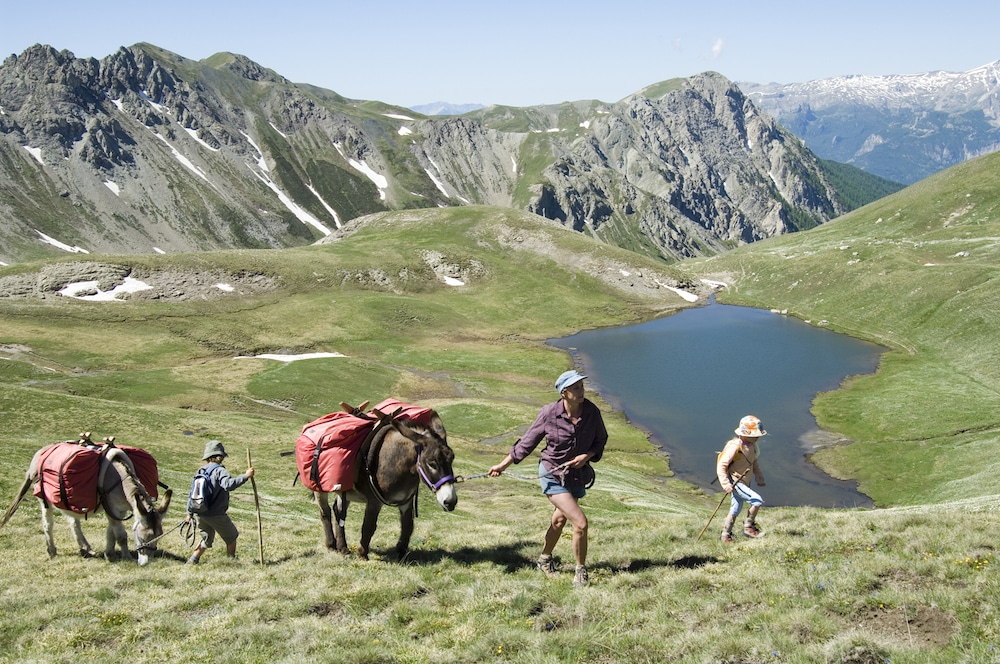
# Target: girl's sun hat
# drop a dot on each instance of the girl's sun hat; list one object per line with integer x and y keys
{"x": 750, "y": 427}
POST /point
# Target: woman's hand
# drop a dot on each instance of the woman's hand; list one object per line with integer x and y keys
{"x": 497, "y": 470}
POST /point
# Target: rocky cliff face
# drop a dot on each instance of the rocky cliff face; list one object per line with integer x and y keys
{"x": 697, "y": 169}
{"x": 146, "y": 151}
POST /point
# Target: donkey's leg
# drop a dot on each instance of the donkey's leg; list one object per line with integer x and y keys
{"x": 372, "y": 509}
{"x": 47, "y": 522}
{"x": 325, "y": 517}
{"x": 76, "y": 526}
{"x": 116, "y": 535}
{"x": 340, "y": 518}
{"x": 333, "y": 532}
{"x": 405, "y": 529}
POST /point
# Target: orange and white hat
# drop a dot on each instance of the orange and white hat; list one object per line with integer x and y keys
{"x": 750, "y": 427}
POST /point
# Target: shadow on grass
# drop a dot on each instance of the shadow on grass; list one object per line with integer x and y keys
{"x": 510, "y": 557}
{"x": 641, "y": 564}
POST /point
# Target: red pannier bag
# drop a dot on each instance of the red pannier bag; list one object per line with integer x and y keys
{"x": 418, "y": 414}
{"x": 326, "y": 450}
{"x": 145, "y": 468}
{"x": 67, "y": 476}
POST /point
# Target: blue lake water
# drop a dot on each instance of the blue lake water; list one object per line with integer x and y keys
{"x": 688, "y": 378}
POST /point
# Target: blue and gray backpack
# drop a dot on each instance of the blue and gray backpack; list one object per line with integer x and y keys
{"x": 204, "y": 489}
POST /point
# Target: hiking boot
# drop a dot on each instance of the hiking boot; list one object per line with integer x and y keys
{"x": 547, "y": 565}
{"x": 751, "y": 530}
{"x": 581, "y": 578}
{"x": 727, "y": 538}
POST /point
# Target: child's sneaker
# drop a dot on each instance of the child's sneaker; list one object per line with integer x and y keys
{"x": 581, "y": 578}
{"x": 751, "y": 530}
{"x": 547, "y": 565}
{"x": 727, "y": 538}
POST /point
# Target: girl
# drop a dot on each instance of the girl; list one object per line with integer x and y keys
{"x": 733, "y": 466}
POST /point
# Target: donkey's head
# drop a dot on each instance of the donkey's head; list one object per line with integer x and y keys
{"x": 148, "y": 526}
{"x": 434, "y": 458}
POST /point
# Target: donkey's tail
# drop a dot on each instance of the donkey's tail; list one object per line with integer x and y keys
{"x": 17, "y": 501}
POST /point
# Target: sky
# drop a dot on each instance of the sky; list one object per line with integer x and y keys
{"x": 523, "y": 52}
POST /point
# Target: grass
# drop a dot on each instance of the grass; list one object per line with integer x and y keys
{"x": 913, "y": 581}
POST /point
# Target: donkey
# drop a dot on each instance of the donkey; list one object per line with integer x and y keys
{"x": 399, "y": 455}
{"x": 120, "y": 495}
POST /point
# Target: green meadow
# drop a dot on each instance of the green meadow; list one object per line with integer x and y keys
{"x": 913, "y": 580}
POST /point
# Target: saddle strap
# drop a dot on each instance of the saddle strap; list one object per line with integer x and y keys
{"x": 314, "y": 466}
{"x": 374, "y": 443}
{"x": 63, "y": 495}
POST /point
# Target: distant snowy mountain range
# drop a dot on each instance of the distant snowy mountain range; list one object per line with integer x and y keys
{"x": 901, "y": 127}
{"x": 445, "y": 108}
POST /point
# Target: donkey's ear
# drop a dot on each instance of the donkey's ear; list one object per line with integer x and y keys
{"x": 403, "y": 427}
{"x": 437, "y": 426}
{"x": 165, "y": 501}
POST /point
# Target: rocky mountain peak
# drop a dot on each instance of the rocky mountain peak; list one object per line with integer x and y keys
{"x": 147, "y": 151}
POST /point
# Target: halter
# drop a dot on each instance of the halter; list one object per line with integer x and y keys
{"x": 434, "y": 486}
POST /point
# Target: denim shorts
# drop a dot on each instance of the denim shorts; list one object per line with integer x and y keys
{"x": 551, "y": 487}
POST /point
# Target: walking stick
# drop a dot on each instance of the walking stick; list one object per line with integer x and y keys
{"x": 724, "y": 495}
{"x": 256, "y": 502}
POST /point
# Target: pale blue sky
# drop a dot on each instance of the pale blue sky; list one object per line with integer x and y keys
{"x": 524, "y": 53}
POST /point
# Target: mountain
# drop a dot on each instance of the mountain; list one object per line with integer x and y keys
{"x": 147, "y": 151}
{"x": 445, "y": 108}
{"x": 902, "y": 127}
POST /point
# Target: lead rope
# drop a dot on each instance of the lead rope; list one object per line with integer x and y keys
{"x": 530, "y": 478}
{"x": 145, "y": 545}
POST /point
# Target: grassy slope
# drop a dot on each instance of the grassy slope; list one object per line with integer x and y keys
{"x": 861, "y": 586}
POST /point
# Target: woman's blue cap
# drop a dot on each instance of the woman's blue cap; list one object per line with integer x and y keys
{"x": 568, "y": 378}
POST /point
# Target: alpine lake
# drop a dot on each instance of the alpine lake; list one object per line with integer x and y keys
{"x": 688, "y": 378}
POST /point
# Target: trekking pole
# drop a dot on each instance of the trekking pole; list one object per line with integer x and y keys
{"x": 724, "y": 495}
{"x": 256, "y": 502}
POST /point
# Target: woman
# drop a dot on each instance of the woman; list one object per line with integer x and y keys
{"x": 574, "y": 430}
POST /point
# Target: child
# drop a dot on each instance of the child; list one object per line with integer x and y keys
{"x": 214, "y": 519}
{"x": 734, "y": 464}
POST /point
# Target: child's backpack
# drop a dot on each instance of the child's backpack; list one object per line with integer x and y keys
{"x": 204, "y": 489}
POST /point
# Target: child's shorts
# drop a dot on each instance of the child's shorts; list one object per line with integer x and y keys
{"x": 208, "y": 526}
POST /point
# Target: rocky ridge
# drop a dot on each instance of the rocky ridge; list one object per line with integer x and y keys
{"x": 145, "y": 151}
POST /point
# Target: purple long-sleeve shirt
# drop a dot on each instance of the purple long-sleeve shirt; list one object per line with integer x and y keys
{"x": 565, "y": 440}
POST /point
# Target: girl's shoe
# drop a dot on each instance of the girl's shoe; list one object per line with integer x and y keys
{"x": 751, "y": 530}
